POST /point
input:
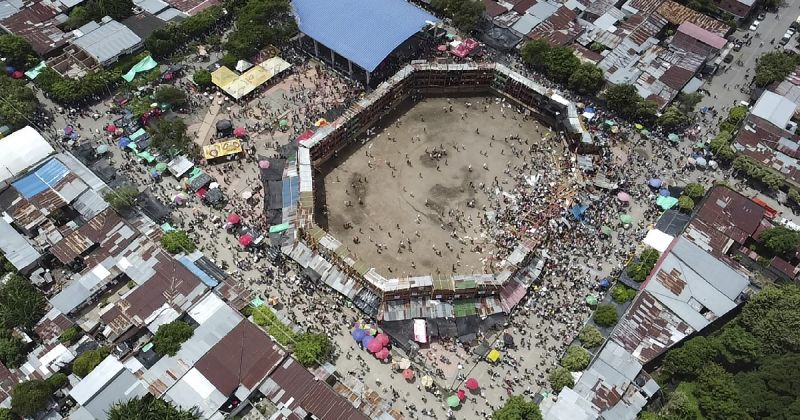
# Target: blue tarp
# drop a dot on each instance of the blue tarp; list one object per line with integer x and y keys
{"x": 362, "y": 31}
{"x": 290, "y": 191}
{"x": 200, "y": 274}
{"x": 578, "y": 211}
{"x": 41, "y": 179}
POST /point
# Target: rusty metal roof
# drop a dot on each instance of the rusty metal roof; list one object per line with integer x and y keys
{"x": 731, "y": 213}
{"x": 677, "y": 14}
{"x": 36, "y": 24}
{"x": 560, "y": 28}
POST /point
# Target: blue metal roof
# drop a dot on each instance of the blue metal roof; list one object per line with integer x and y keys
{"x": 47, "y": 176}
{"x": 200, "y": 274}
{"x": 362, "y": 31}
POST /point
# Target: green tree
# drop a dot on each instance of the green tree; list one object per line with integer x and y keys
{"x": 78, "y": 17}
{"x": 465, "y": 14}
{"x": 518, "y": 407}
{"x": 774, "y": 66}
{"x": 16, "y": 51}
{"x": 168, "y": 94}
{"x": 679, "y": 407}
{"x": 716, "y": 394}
{"x": 147, "y": 408}
{"x": 311, "y": 349}
{"x": 202, "y": 78}
{"x": 770, "y": 391}
{"x": 605, "y": 315}
{"x": 178, "y": 241}
{"x": 260, "y": 23}
{"x": 534, "y": 53}
{"x": 21, "y": 304}
{"x": 587, "y": 79}
{"x": 688, "y": 359}
{"x": 672, "y": 118}
{"x": 772, "y": 317}
{"x": 737, "y": 347}
{"x": 122, "y": 197}
{"x": 576, "y": 359}
{"x": 642, "y": 268}
{"x": 737, "y": 114}
{"x": 590, "y": 337}
{"x": 561, "y": 63}
{"x": 30, "y": 397}
{"x": 560, "y": 378}
{"x": 687, "y": 102}
{"x": 685, "y": 203}
{"x": 11, "y": 350}
{"x": 170, "y": 337}
{"x": 19, "y": 102}
{"x": 169, "y": 136}
{"x": 622, "y": 293}
{"x": 69, "y": 335}
{"x": 94, "y": 10}
{"x": 694, "y": 190}
{"x": 780, "y": 240}
{"x": 624, "y": 100}
{"x": 721, "y": 146}
{"x": 7, "y": 414}
{"x": 794, "y": 196}
{"x": 57, "y": 381}
{"x": 87, "y": 361}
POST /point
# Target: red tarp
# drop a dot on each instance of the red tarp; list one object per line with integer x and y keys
{"x": 305, "y": 136}
{"x": 465, "y": 48}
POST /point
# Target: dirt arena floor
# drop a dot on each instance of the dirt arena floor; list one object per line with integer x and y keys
{"x": 413, "y": 213}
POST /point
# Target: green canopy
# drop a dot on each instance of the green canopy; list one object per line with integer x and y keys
{"x": 146, "y": 64}
{"x": 196, "y": 172}
{"x": 673, "y": 137}
{"x": 257, "y": 302}
{"x": 139, "y": 133}
{"x": 32, "y": 73}
{"x": 626, "y": 218}
{"x": 700, "y": 145}
{"x": 591, "y": 299}
{"x": 453, "y": 401}
{"x": 279, "y": 228}
{"x": 611, "y": 123}
{"x": 167, "y": 228}
{"x": 146, "y": 156}
{"x": 283, "y": 123}
{"x": 161, "y": 167}
{"x": 645, "y": 132}
{"x": 666, "y": 203}
{"x": 606, "y": 230}
{"x": 147, "y": 347}
{"x": 133, "y": 146}
{"x": 450, "y": 36}
{"x": 638, "y": 126}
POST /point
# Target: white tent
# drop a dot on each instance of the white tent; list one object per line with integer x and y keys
{"x": 21, "y": 150}
{"x": 658, "y": 240}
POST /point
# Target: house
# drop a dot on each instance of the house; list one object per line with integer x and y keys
{"x": 38, "y": 23}
{"x": 111, "y": 382}
{"x": 106, "y": 41}
{"x": 691, "y": 37}
{"x": 739, "y": 8}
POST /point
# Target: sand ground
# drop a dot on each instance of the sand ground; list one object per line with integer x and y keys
{"x": 411, "y": 213}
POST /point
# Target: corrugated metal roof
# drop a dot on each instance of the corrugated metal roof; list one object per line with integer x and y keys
{"x": 774, "y": 108}
{"x": 107, "y": 41}
{"x": 362, "y": 31}
{"x": 104, "y": 373}
{"x": 19, "y": 252}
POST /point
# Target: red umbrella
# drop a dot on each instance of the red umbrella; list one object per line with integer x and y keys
{"x": 246, "y": 240}
{"x": 461, "y": 395}
{"x": 374, "y": 346}
{"x": 17, "y": 74}
{"x": 383, "y": 354}
{"x": 383, "y": 338}
{"x": 239, "y": 132}
{"x": 234, "y": 218}
{"x": 408, "y": 374}
{"x": 111, "y": 128}
{"x": 472, "y": 384}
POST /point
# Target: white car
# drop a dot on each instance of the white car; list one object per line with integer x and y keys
{"x": 755, "y": 24}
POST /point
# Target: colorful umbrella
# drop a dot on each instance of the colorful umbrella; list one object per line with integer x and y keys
{"x": 453, "y": 401}
{"x": 358, "y": 334}
{"x": 366, "y": 340}
{"x": 408, "y": 374}
{"x": 638, "y": 126}
{"x": 283, "y": 123}
{"x": 240, "y": 132}
{"x": 426, "y": 381}
{"x": 161, "y": 166}
{"x": 623, "y": 196}
{"x": 664, "y": 192}
{"x": 654, "y": 182}
{"x": 375, "y": 346}
{"x": 404, "y": 363}
{"x": 101, "y": 149}
{"x": 383, "y": 338}
{"x": 701, "y": 161}
{"x": 461, "y": 395}
{"x": 246, "y": 240}
{"x": 606, "y": 230}
{"x": 666, "y": 203}
{"x": 626, "y": 218}
{"x": 673, "y": 137}
{"x": 591, "y": 300}
{"x": 111, "y": 128}
{"x": 234, "y": 218}
{"x": 263, "y": 164}
{"x": 471, "y": 384}
{"x": 383, "y": 354}
{"x": 124, "y": 142}
{"x": 68, "y": 130}
{"x": 17, "y": 74}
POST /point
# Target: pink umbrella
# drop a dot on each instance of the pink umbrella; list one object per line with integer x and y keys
{"x": 383, "y": 354}
{"x": 461, "y": 395}
{"x": 17, "y": 74}
{"x": 374, "y": 346}
{"x": 383, "y": 338}
{"x": 408, "y": 374}
{"x": 623, "y": 196}
{"x": 471, "y": 384}
{"x": 234, "y": 218}
{"x": 246, "y": 240}
{"x": 239, "y": 132}
{"x": 442, "y": 48}
{"x": 111, "y": 128}
{"x": 263, "y": 164}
